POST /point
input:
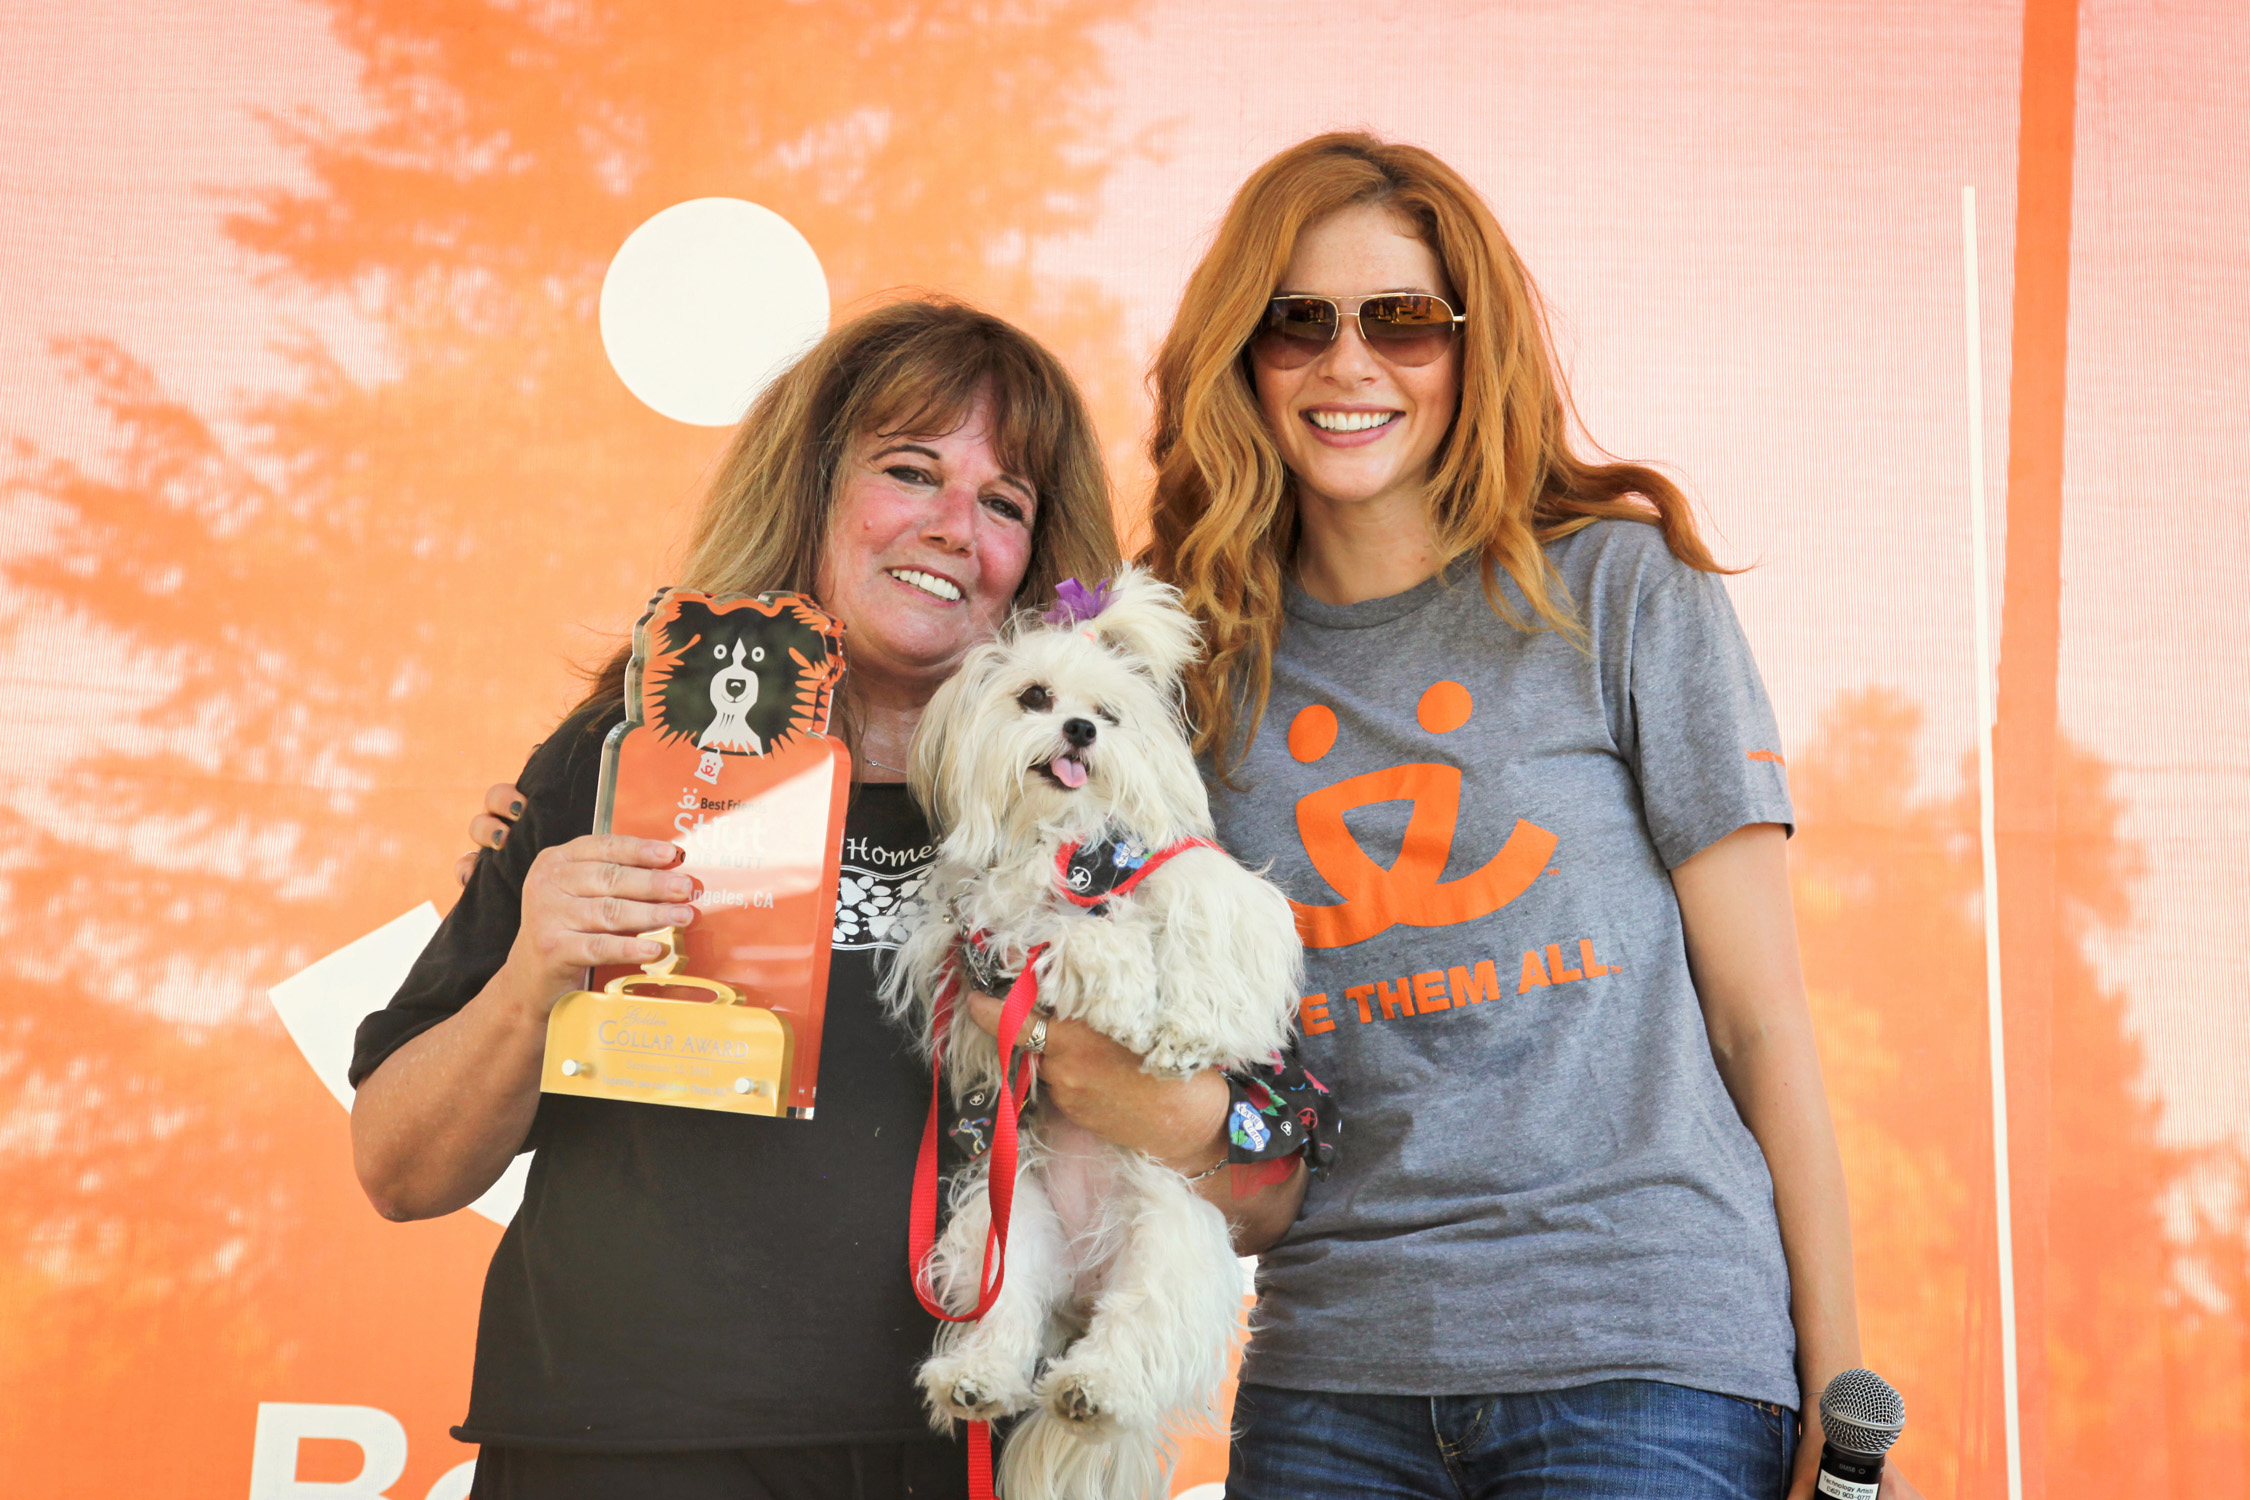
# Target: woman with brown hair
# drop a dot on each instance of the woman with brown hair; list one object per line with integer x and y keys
{"x": 1483, "y": 705}
{"x": 691, "y": 1303}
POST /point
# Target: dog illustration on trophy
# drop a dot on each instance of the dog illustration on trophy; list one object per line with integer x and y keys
{"x": 740, "y": 676}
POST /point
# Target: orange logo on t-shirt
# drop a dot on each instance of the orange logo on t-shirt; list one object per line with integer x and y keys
{"x": 1412, "y": 891}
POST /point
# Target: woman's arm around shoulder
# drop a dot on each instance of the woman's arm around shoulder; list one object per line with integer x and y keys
{"x": 489, "y": 829}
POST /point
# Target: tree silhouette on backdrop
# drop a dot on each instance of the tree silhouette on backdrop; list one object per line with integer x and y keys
{"x": 357, "y": 598}
{"x": 2144, "y": 1330}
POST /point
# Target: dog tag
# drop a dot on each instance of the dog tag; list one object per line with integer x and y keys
{"x": 725, "y": 752}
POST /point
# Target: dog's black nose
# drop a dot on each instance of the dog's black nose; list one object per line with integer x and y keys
{"x": 1080, "y": 732}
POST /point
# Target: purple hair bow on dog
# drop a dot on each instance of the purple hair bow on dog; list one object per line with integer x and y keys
{"x": 1075, "y": 602}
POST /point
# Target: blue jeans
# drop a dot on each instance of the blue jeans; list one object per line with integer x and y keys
{"x": 1608, "y": 1441}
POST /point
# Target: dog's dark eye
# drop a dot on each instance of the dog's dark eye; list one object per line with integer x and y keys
{"x": 1036, "y": 699}
{"x": 1105, "y": 716}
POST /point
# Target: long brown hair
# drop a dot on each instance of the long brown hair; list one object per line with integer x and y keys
{"x": 908, "y": 367}
{"x": 1223, "y": 520}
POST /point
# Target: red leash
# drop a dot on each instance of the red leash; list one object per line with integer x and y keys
{"x": 921, "y": 1231}
{"x": 1015, "y": 1089}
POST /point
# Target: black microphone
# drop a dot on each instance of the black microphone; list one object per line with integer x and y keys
{"x": 1861, "y": 1416}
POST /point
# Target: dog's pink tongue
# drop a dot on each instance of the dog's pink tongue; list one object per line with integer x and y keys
{"x": 1071, "y": 773}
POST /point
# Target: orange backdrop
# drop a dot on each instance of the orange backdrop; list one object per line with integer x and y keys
{"x": 309, "y": 422}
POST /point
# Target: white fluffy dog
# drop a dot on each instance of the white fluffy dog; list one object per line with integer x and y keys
{"x": 1122, "y": 1292}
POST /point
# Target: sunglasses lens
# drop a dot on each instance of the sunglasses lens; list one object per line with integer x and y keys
{"x": 1407, "y": 329}
{"x": 1294, "y": 332}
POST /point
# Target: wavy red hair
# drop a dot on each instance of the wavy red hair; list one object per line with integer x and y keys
{"x": 1506, "y": 480}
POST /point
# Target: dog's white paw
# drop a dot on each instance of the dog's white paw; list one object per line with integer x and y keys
{"x": 1175, "y": 1057}
{"x": 1077, "y": 1399}
{"x": 1089, "y": 1401}
{"x": 973, "y": 1389}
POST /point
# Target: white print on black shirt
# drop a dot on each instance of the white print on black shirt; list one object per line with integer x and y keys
{"x": 878, "y": 899}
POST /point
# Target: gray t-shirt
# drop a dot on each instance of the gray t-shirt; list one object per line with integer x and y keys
{"x": 1542, "y": 1180}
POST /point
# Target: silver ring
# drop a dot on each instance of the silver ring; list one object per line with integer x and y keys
{"x": 1036, "y": 1041}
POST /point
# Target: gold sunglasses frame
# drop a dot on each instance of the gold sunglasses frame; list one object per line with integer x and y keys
{"x": 1348, "y": 307}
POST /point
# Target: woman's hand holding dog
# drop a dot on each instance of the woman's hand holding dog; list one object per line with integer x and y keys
{"x": 1179, "y": 1121}
{"x": 1099, "y": 1084}
{"x": 582, "y": 904}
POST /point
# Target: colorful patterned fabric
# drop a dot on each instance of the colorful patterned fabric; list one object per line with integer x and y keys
{"x": 1278, "y": 1110}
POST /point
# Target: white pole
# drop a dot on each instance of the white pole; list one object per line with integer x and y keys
{"x": 1995, "y": 1024}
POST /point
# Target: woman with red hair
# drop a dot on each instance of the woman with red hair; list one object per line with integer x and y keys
{"x": 1483, "y": 706}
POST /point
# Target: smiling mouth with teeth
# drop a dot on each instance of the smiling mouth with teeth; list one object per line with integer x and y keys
{"x": 1065, "y": 771}
{"x": 1349, "y": 421}
{"x": 928, "y": 583}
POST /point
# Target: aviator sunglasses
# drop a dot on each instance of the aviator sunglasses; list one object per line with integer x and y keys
{"x": 1405, "y": 328}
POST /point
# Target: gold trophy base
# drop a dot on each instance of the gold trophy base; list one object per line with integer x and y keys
{"x": 679, "y": 1052}
{"x": 719, "y": 1054}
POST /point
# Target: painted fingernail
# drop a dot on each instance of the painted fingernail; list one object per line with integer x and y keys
{"x": 499, "y": 837}
{"x": 515, "y": 808}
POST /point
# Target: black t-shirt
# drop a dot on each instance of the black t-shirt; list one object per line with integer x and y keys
{"x": 681, "y": 1278}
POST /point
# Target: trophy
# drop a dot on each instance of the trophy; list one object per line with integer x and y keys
{"x": 725, "y": 752}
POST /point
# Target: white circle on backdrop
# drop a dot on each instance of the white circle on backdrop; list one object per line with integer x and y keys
{"x": 706, "y": 302}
